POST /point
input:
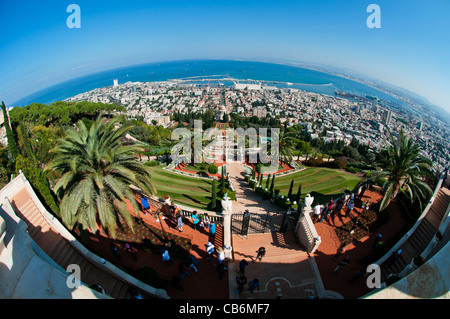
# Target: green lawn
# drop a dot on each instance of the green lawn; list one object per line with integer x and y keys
{"x": 322, "y": 183}
{"x": 185, "y": 190}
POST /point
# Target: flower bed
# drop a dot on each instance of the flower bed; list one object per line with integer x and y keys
{"x": 350, "y": 232}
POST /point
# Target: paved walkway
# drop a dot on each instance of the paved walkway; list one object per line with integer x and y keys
{"x": 284, "y": 272}
{"x": 246, "y": 198}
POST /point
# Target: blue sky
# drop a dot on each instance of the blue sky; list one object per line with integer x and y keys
{"x": 411, "y": 49}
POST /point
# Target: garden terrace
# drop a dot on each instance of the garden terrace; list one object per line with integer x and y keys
{"x": 194, "y": 192}
{"x": 322, "y": 183}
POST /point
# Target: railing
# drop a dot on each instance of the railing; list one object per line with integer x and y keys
{"x": 306, "y": 232}
{"x": 414, "y": 227}
{"x": 71, "y": 240}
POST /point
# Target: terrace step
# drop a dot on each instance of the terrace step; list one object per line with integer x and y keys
{"x": 421, "y": 237}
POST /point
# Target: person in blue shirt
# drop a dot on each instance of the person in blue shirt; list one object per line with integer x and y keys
{"x": 212, "y": 230}
{"x": 145, "y": 206}
{"x": 195, "y": 219}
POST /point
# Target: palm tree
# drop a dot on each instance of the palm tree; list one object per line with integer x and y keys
{"x": 285, "y": 146}
{"x": 403, "y": 169}
{"x": 97, "y": 170}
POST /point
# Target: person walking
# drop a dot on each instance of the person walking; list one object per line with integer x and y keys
{"x": 260, "y": 253}
{"x": 192, "y": 263}
{"x": 184, "y": 270}
{"x": 344, "y": 262}
{"x": 166, "y": 257}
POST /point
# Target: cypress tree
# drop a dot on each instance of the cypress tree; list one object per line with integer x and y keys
{"x": 299, "y": 193}
{"x": 213, "y": 194}
{"x": 290, "y": 189}
{"x": 272, "y": 185}
{"x": 268, "y": 181}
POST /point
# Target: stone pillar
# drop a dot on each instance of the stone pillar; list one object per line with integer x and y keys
{"x": 227, "y": 213}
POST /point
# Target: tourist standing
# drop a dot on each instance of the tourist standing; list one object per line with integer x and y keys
{"x": 240, "y": 281}
{"x": 221, "y": 269}
{"x": 317, "y": 211}
{"x": 206, "y": 220}
{"x": 242, "y": 265}
{"x": 212, "y": 230}
{"x": 179, "y": 222}
{"x": 253, "y": 284}
{"x": 195, "y": 219}
{"x": 209, "y": 250}
{"x": 145, "y": 205}
{"x": 166, "y": 257}
{"x": 220, "y": 255}
{"x": 131, "y": 251}
{"x": 350, "y": 207}
{"x": 324, "y": 212}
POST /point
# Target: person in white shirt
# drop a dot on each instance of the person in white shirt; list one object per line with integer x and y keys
{"x": 317, "y": 210}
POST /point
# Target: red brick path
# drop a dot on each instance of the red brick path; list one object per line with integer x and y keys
{"x": 324, "y": 256}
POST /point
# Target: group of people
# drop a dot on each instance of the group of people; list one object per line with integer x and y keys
{"x": 241, "y": 279}
{"x": 198, "y": 222}
{"x": 128, "y": 248}
{"x": 329, "y": 209}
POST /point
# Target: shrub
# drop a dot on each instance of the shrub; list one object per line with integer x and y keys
{"x": 152, "y": 163}
{"x": 212, "y": 168}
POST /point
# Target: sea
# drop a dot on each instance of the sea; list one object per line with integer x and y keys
{"x": 274, "y": 74}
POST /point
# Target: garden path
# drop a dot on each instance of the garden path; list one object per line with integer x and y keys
{"x": 246, "y": 198}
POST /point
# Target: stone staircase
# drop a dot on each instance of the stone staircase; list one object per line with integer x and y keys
{"x": 60, "y": 251}
{"x": 421, "y": 237}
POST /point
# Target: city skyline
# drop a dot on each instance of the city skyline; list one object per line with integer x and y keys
{"x": 40, "y": 50}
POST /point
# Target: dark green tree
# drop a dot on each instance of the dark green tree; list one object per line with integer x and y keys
{"x": 272, "y": 185}
{"x": 299, "y": 193}
{"x": 213, "y": 194}
{"x": 97, "y": 169}
{"x": 290, "y": 189}
{"x": 268, "y": 181}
